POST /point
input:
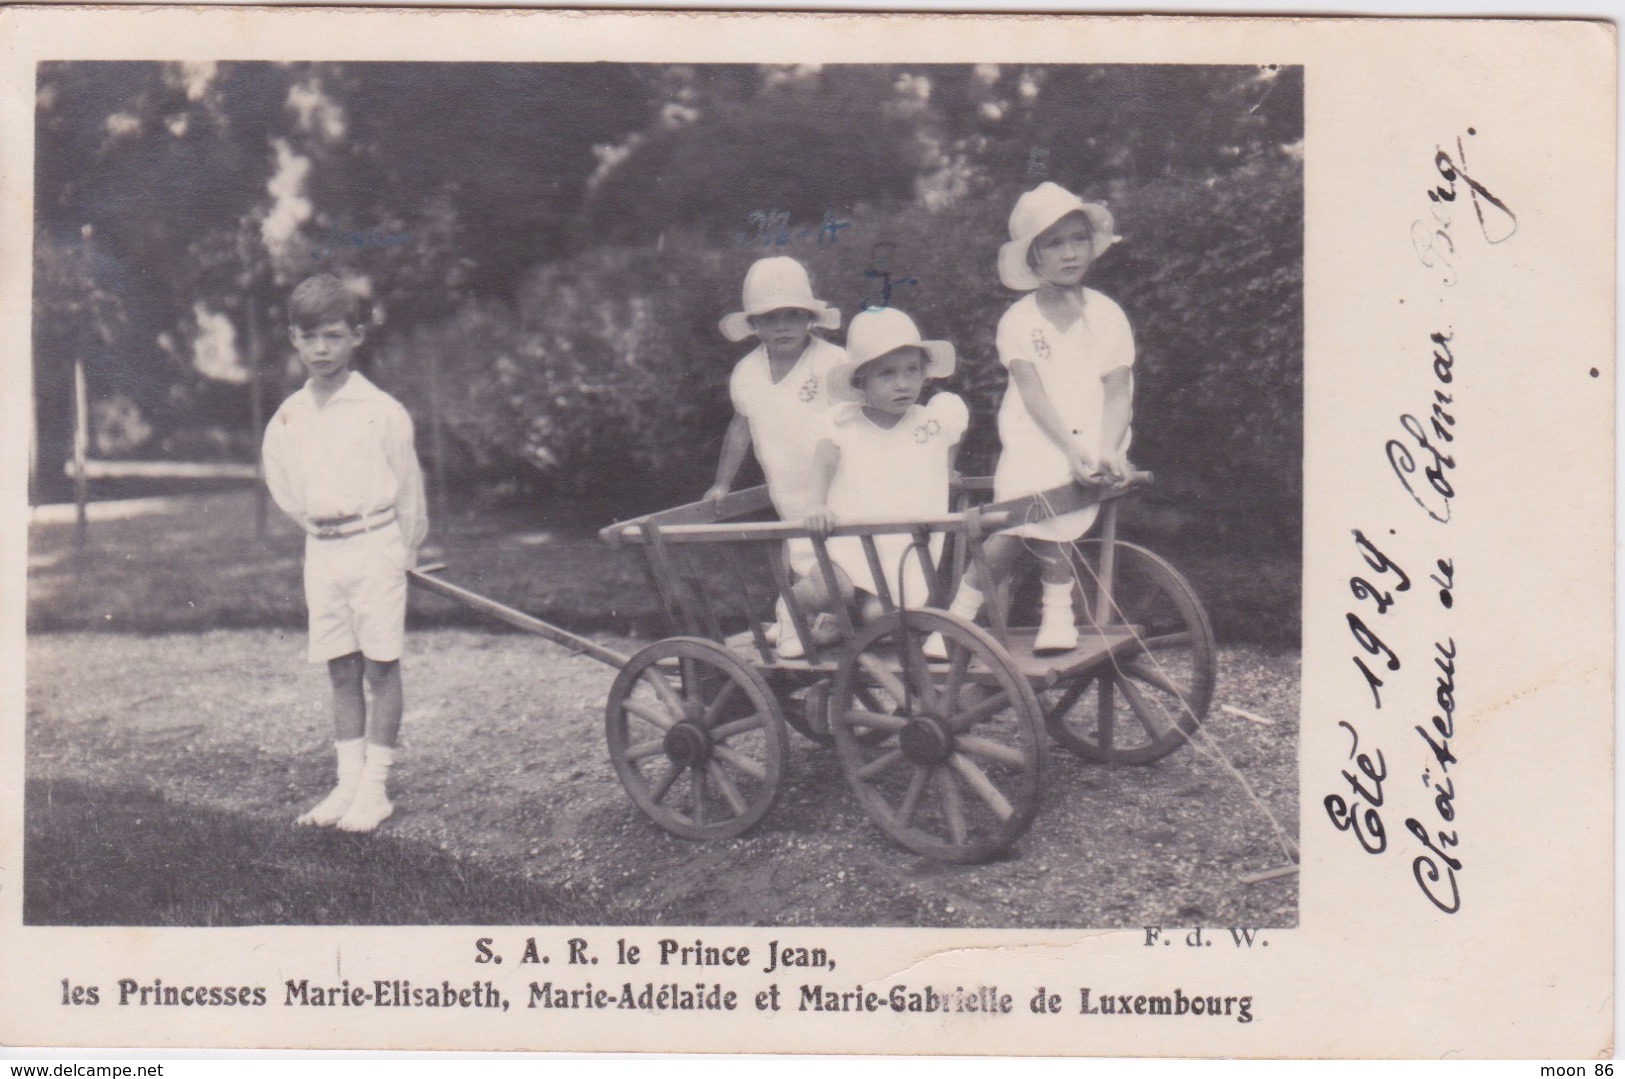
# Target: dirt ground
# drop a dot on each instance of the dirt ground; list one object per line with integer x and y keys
{"x": 504, "y": 764}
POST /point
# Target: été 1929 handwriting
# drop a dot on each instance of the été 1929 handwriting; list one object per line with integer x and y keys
{"x": 1423, "y": 458}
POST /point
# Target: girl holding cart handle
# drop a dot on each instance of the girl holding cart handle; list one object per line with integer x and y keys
{"x": 1066, "y": 413}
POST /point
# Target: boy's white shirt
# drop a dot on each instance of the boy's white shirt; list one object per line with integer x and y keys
{"x": 779, "y": 414}
{"x": 354, "y": 455}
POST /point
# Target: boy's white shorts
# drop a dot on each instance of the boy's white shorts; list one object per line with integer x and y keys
{"x": 355, "y": 588}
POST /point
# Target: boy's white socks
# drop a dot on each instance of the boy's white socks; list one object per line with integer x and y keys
{"x": 1058, "y": 627}
{"x": 371, "y": 804}
{"x": 351, "y": 756}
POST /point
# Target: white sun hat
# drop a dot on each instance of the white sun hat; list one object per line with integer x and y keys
{"x": 876, "y": 332}
{"x": 774, "y": 283}
{"x": 1037, "y": 210}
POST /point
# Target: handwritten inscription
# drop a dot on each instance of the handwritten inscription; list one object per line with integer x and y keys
{"x": 1358, "y": 814}
{"x": 1426, "y": 439}
{"x": 1435, "y": 869}
{"x": 772, "y": 228}
{"x": 879, "y": 271}
{"x": 1433, "y": 238}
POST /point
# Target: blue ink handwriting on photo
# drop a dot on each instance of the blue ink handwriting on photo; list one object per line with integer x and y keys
{"x": 773, "y": 229}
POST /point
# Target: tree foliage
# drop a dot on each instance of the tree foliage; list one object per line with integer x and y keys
{"x": 549, "y": 246}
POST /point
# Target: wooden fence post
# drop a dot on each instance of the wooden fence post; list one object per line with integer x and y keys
{"x": 81, "y": 444}
{"x": 256, "y": 398}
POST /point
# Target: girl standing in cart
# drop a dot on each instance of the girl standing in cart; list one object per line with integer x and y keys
{"x": 1065, "y": 415}
{"x": 776, "y": 391}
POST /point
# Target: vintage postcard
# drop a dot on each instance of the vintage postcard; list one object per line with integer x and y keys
{"x": 803, "y": 533}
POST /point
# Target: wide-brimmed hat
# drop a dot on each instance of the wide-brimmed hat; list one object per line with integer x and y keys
{"x": 774, "y": 283}
{"x": 876, "y": 332}
{"x": 1036, "y": 211}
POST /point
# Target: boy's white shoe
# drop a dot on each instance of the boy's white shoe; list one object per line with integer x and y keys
{"x": 371, "y": 805}
{"x": 366, "y": 813}
{"x": 351, "y": 755}
{"x": 329, "y": 809}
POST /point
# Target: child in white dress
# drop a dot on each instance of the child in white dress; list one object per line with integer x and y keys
{"x": 883, "y": 456}
{"x": 1066, "y": 413}
{"x": 777, "y": 389}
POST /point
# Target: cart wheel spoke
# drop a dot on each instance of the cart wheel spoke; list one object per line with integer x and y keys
{"x": 663, "y": 784}
{"x": 696, "y": 790}
{"x": 875, "y": 669}
{"x": 959, "y": 658}
{"x": 668, "y": 696}
{"x": 953, "y": 806}
{"x": 730, "y": 793}
{"x": 978, "y": 782}
{"x": 872, "y": 701}
{"x": 1167, "y": 640}
{"x": 1138, "y": 667}
{"x": 714, "y": 710}
{"x": 745, "y": 764}
{"x": 1156, "y": 725}
{"x": 911, "y": 797}
{"x": 881, "y": 764}
{"x": 645, "y": 749}
{"x": 988, "y": 749}
{"x": 917, "y": 671}
{"x": 973, "y": 715}
{"x": 693, "y": 689}
{"x": 1106, "y": 714}
{"x": 648, "y": 715}
{"x": 738, "y": 726}
{"x": 875, "y": 720}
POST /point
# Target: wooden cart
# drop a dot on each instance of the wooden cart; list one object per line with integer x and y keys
{"x": 947, "y": 757}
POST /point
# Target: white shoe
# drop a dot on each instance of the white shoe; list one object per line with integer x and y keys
{"x": 330, "y": 809}
{"x": 366, "y": 813}
{"x": 1057, "y": 632}
{"x": 790, "y": 646}
{"x": 935, "y": 647}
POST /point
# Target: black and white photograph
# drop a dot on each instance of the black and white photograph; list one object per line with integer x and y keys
{"x": 1007, "y": 637}
{"x": 806, "y": 533}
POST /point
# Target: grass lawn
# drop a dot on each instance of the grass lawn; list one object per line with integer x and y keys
{"x": 130, "y": 855}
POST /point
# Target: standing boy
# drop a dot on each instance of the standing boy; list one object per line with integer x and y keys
{"x": 339, "y": 460}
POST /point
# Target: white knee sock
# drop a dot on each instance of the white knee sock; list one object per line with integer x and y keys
{"x": 1058, "y": 628}
{"x": 1058, "y": 594}
{"x": 371, "y": 804}
{"x": 351, "y": 755}
{"x": 967, "y": 602}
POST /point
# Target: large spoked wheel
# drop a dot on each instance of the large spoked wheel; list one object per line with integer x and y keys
{"x": 947, "y": 756}
{"x": 1145, "y": 703}
{"x": 696, "y": 737}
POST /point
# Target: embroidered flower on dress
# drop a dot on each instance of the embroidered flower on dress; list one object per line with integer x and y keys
{"x": 1040, "y": 345}
{"x": 809, "y": 390}
{"x": 927, "y": 430}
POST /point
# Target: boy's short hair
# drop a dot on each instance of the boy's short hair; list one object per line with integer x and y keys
{"x": 324, "y": 299}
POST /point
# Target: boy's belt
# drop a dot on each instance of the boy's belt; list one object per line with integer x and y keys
{"x": 327, "y": 528}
